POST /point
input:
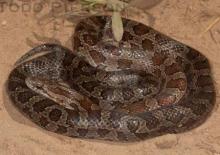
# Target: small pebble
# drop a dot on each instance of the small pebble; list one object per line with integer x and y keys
{"x": 4, "y": 23}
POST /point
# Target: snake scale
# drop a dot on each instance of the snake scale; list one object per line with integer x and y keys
{"x": 144, "y": 86}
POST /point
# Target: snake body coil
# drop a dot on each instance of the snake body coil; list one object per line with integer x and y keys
{"x": 143, "y": 86}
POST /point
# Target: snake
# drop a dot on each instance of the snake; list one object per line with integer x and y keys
{"x": 144, "y": 86}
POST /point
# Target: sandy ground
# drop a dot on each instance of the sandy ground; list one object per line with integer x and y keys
{"x": 183, "y": 20}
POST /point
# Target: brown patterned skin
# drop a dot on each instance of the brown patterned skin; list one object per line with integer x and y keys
{"x": 144, "y": 86}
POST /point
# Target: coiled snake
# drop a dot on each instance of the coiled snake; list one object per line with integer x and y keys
{"x": 144, "y": 86}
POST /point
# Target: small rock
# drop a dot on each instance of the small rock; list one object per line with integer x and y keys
{"x": 4, "y": 23}
{"x": 167, "y": 142}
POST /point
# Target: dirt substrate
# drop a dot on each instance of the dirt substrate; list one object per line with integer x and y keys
{"x": 186, "y": 21}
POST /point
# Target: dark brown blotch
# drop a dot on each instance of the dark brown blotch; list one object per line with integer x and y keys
{"x": 94, "y": 100}
{"x": 107, "y": 92}
{"x": 16, "y": 79}
{"x": 204, "y": 81}
{"x": 84, "y": 26}
{"x": 198, "y": 108}
{"x": 55, "y": 115}
{"x": 97, "y": 56}
{"x": 90, "y": 39}
{"x": 82, "y": 64}
{"x": 13, "y": 84}
{"x": 147, "y": 45}
{"x": 41, "y": 105}
{"x": 192, "y": 54}
{"x": 99, "y": 21}
{"x": 25, "y": 96}
{"x": 89, "y": 28}
{"x": 159, "y": 38}
{"x": 141, "y": 29}
{"x": 147, "y": 80}
{"x": 174, "y": 68}
{"x": 27, "y": 111}
{"x": 43, "y": 121}
{"x": 80, "y": 27}
{"x": 75, "y": 86}
{"x": 17, "y": 74}
{"x": 68, "y": 59}
{"x": 94, "y": 116}
{"x": 135, "y": 108}
{"x": 180, "y": 60}
{"x": 158, "y": 59}
{"x": 127, "y": 36}
{"x": 210, "y": 96}
{"x": 86, "y": 104}
{"x": 181, "y": 84}
{"x": 124, "y": 63}
{"x": 166, "y": 100}
{"x": 201, "y": 64}
{"x": 187, "y": 68}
